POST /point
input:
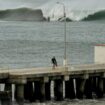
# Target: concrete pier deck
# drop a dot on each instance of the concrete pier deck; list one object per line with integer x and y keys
{"x": 35, "y": 83}
{"x": 73, "y": 70}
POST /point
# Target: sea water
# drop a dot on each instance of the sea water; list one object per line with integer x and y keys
{"x": 33, "y": 44}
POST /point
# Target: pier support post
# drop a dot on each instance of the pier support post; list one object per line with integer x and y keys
{"x": 8, "y": 87}
{"x": 58, "y": 89}
{"x": 28, "y": 91}
{"x": 80, "y": 86}
{"x": 42, "y": 87}
{"x": 69, "y": 89}
{"x": 104, "y": 84}
{"x": 6, "y": 98}
{"x": 94, "y": 84}
{"x": 37, "y": 93}
{"x": 103, "y": 77}
{"x": 100, "y": 87}
{"x": 19, "y": 93}
{"x": 88, "y": 88}
{"x": 42, "y": 90}
{"x": 48, "y": 91}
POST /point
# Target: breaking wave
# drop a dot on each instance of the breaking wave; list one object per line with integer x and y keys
{"x": 100, "y": 15}
{"x": 21, "y": 14}
{"x": 36, "y": 10}
{"x": 28, "y": 14}
{"x": 80, "y": 15}
{"x": 76, "y": 10}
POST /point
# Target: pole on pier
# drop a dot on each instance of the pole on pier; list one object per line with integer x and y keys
{"x": 65, "y": 40}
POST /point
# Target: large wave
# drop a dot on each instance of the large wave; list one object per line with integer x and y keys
{"x": 80, "y": 15}
{"x": 76, "y": 10}
{"x": 21, "y": 14}
{"x": 99, "y": 15}
{"x": 27, "y": 14}
{"x": 92, "y": 16}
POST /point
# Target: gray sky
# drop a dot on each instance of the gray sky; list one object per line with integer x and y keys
{"x": 5, "y": 4}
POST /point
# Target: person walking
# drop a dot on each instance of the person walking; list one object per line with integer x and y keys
{"x": 54, "y": 62}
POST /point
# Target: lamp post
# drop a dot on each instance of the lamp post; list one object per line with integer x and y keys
{"x": 64, "y": 15}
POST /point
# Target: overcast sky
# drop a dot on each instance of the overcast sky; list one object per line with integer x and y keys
{"x": 5, "y": 4}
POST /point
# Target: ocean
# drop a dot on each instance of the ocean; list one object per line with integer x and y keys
{"x": 33, "y": 44}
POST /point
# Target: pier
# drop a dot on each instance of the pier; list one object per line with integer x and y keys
{"x": 34, "y": 84}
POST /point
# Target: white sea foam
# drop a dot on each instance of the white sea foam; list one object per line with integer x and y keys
{"x": 75, "y": 9}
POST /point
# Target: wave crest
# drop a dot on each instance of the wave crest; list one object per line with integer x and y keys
{"x": 28, "y": 14}
{"x": 100, "y": 15}
{"x": 22, "y": 14}
{"x": 80, "y": 15}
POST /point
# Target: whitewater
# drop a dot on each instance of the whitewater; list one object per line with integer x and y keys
{"x": 75, "y": 9}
